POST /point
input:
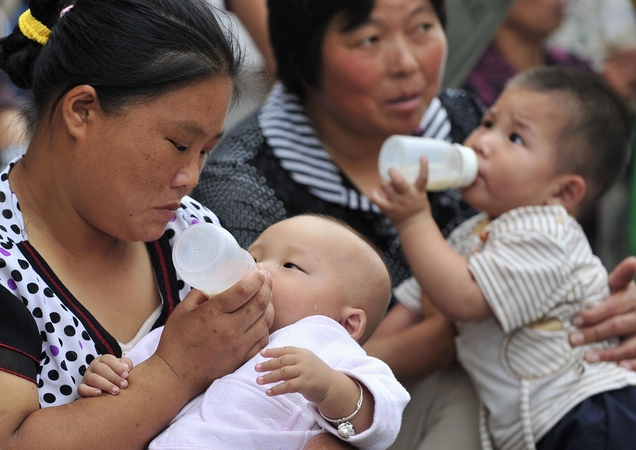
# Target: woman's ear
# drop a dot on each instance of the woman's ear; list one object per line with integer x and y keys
{"x": 79, "y": 106}
{"x": 570, "y": 193}
{"x": 354, "y": 320}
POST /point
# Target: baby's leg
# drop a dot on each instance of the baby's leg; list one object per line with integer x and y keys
{"x": 605, "y": 420}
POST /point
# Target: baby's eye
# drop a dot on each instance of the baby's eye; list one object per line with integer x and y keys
{"x": 514, "y": 137}
{"x": 487, "y": 124}
{"x": 291, "y": 266}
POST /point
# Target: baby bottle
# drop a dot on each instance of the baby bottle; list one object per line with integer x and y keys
{"x": 208, "y": 258}
{"x": 449, "y": 165}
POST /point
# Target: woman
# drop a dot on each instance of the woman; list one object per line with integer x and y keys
{"x": 128, "y": 98}
{"x": 520, "y": 44}
{"x": 353, "y": 73}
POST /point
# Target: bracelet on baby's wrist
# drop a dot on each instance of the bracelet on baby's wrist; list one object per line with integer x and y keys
{"x": 346, "y": 428}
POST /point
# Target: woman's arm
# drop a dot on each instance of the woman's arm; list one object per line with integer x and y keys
{"x": 188, "y": 359}
{"x": 416, "y": 351}
{"x": 615, "y": 317}
{"x": 327, "y": 441}
{"x": 253, "y": 16}
{"x": 399, "y": 318}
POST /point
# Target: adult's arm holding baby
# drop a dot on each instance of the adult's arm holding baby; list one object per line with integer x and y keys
{"x": 188, "y": 359}
{"x": 327, "y": 441}
{"x": 615, "y": 317}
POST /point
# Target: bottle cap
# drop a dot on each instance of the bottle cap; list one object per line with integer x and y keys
{"x": 469, "y": 165}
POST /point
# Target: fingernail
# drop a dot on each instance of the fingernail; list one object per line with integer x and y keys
{"x": 625, "y": 364}
{"x": 123, "y": 383}
{"x": 127, "y": 368}
{"x": 577, "y": 338}
{"x": 115, "y": 390}
{"x": 592, "y": 357}
{"x": 577, "y": 321}
{"x": 259, "y": 380}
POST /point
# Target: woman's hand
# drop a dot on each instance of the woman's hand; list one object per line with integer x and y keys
{"x": 206, "y": 339}
{"x": 615, "y": 317}
{"x": 326, "y": 441}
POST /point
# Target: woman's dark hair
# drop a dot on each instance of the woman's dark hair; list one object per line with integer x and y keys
{"x": 297, "y": 29}
{"x": 596, "y": 143}
{"x": 128, "y": 50}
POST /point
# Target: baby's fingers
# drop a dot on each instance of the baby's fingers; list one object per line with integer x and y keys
{"x": 96, "y": 381}
{"x": 280, "y": 356}
{"x": 398, "y": 183}
{"x": 85, "y": 390}
{"x": 287, "y": 386}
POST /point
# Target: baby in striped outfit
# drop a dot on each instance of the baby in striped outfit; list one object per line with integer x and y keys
{"x": 514, "y": 276}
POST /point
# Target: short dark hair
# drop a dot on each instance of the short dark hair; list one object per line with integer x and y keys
{"x": 597, "y": 142}
{"x": 128, "y": 50}
{"x": 297, "y": 29}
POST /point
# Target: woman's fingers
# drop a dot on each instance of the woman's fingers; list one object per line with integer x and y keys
{"x": 623, "y": 275}
{"x": 624, "y": 354}
{"x": 205, "y": 339}
{"x": 623, "y": 324}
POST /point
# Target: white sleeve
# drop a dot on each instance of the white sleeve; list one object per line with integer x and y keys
{"x": 409, "y": 294}
{"x": 390, "y": 397}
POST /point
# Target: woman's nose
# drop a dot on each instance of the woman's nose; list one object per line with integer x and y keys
{"x": 188, "y": 176}
{"x": 402, "y": 58}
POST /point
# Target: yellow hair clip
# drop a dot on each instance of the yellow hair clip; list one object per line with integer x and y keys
{"x": 33, "y": 28}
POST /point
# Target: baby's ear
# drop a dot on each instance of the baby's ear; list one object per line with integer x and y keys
{"x": 354, "y": 320}
{"x": 570, "y": 192}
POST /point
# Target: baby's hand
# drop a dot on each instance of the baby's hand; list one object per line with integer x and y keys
{"x": 401, "y": 201}
{"x": 299, "y": 370}
{"x": 106, "y": 373}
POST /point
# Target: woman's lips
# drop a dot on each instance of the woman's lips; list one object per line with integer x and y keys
{"x": 167, "y": 211}
{"x": 405, "y": 104}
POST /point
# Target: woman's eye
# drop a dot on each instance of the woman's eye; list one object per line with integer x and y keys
{"x": 514, "y": 137}
{"x": 369, "y": 41}
{"x": 291, "y": 266}
{"x": 424, "y": 26}
{"x": 181, "y": 148}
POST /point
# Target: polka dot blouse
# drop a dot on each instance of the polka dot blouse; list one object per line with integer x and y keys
{"x": 46, "y": 335}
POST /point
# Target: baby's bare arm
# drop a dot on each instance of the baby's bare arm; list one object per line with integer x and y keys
{"x": 441, "y": 272}
{"x": 334, "y": 393}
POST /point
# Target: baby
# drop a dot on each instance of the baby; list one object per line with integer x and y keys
{"x": 330, "y": 291}
{"x": 514, "y": 276}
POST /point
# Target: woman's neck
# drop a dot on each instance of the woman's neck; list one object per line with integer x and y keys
{"x": 355, "y": 153}
{"x": 523, "y": 52}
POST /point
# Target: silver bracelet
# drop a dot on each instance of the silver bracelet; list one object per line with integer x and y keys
{"x": 346, "y": 428}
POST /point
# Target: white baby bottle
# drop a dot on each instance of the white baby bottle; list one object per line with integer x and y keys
{"x": 449, "y": 165}
{"x": 208, "y": 258}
